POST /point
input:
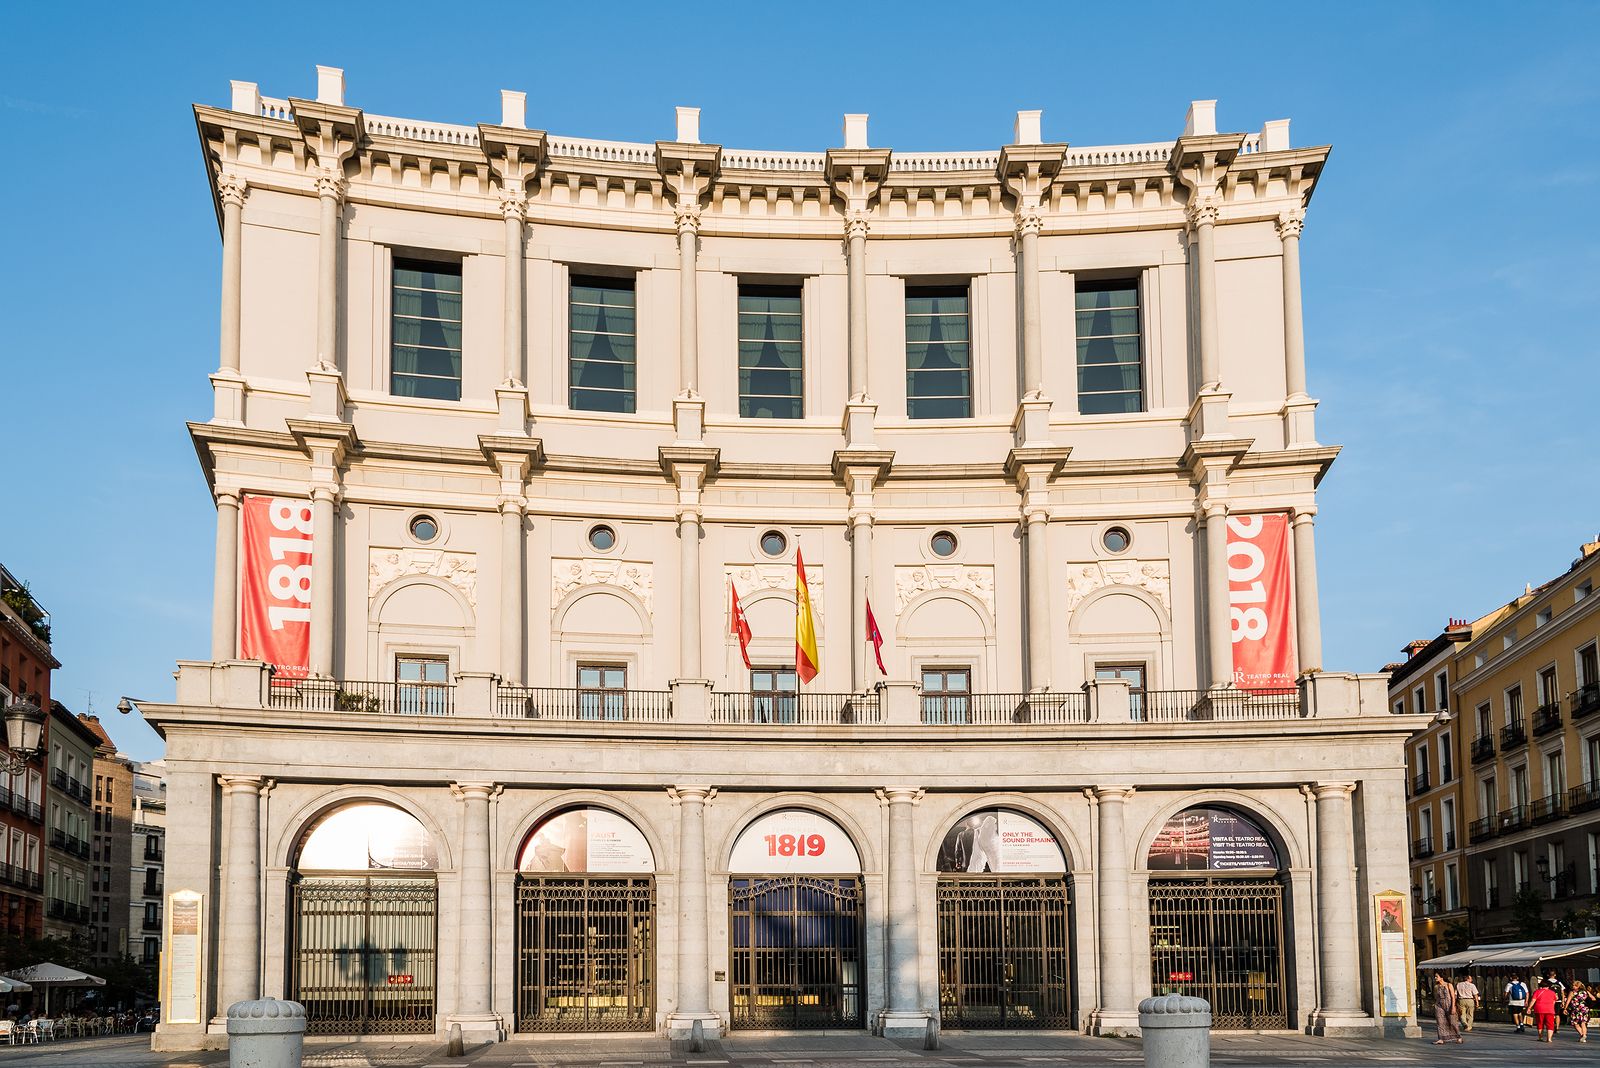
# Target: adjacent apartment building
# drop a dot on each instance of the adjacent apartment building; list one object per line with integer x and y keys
{"x": 148, "y": 853}
{"x": 1505, "y": 783}
{"x": 110, "y": 846}
{"x": 519, "y": 443}
{"x": 25, "y": 666}
{"x": 68, "y": 878}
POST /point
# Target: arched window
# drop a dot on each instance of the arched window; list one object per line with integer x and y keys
{"x": 1000, "y": 841}
{"x": 1206, "y": 839}
{"x": 585, "y": 840}
{"x": 367, "y": 836}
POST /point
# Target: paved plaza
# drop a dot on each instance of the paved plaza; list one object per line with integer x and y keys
{"x": 1497, "y": 1047}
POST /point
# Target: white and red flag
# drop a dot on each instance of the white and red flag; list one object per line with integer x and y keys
{"x": 875, "y": 636}
{"x": 738, "y": 625}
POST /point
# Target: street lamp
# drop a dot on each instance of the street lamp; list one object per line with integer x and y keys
{"x": 24, "y": 733}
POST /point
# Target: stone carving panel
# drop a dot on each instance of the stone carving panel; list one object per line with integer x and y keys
{"x": 458, "y": 569}
{"x": 568, "y": 574}
{"x": 753, "y": 578}
{"x": 1152, "y": 576}
{"x": 913, "y": 581}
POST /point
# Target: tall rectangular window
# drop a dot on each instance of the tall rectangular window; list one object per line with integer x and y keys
{"x": 423, "y": 683}
{"x": 938, "y": 353}
{"x": 425, "y": 330}
{"x": 1447, "y": 767}
{"x": 946, "y": 694}
{"x": 774, "y": 694}
{"x": 601, "y": 350}
{"x": 602, "y": 691}
{"x": 771, "y": 363}
{"x": 1110, "y": 366}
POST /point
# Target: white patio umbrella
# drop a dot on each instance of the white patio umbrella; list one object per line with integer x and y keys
{"x": 13, "y": 986}
{"x": 52, "y": 975}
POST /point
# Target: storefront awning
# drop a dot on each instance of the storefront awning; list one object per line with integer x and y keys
{"x": 1504, "y": 956}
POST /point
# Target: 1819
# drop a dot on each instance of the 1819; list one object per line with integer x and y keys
{"x": 796, "y": 845}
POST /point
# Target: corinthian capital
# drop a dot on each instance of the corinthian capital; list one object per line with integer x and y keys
{"x": 231, "y": 188}
{"x": 1203, "y": 210}
{"x": 514, "y": 206}
{"x": 331, "y": 185}
{"x": 857, "y": 221}
{"x": 1291, "y": 222}
{"x": 686, "y": 217}
{"x": 1029, "y": 221}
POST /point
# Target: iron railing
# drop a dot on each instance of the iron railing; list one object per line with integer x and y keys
{"x": 1165, "y": 706}
{"x": 1422, "y": 847}
{"x": 797, "y": 950}
{"x": 1513, "y": 819}
{"x": 1480, "y": 830}
{"x": 1585, "y": 699}
{"x": 980, "y": 709}
{"x": 585, "y": 952}
{"x": 571, "y": 703}
{"x": 1420, "y": 783}
{"x": 1449, "y": 840}
{"x": 1513, "y": 735}
{"x": 1584, "y": 798}
{"x": 1547, "y": 718}
{"x": 814, "y": 709}
{"x": 1221, "y": 939}
{"x": 1482, "y": 748}
{"x": 344, "y": 695}
{"x": 1005, "y": 952}
{"x": 1546, "y": 808}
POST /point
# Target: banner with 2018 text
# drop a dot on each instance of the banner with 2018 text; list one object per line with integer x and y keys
{"x": 275, "y": 583}
{"x": 1259, "y": 599}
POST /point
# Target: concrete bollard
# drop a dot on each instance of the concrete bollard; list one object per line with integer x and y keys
{"x": 1177, "y": 1031}
{"x": 266, "y": 1034}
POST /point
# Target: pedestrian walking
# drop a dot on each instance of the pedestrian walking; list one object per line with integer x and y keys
{"x": 1467, "y": 1002}
{"x": 1578, "y": 1008}
{"x": 1543, "y": 1008}
{"x": 1561, "y": 997}
{"x": 1517, "y": 1001}
{"x": 1444, "y": 1011}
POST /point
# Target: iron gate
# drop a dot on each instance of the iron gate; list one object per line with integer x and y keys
{"x": 1222, "y": 940}
{"x": 796, "y": 945}
{"x": 363, "y": 957}
{"x": 586, "y": 953}
{"x": 1004, "y": 952}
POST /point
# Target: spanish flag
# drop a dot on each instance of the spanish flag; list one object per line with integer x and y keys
{"x": 805, "y": 627}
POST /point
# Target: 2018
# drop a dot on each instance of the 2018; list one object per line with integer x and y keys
{"x": 796, "y": 845}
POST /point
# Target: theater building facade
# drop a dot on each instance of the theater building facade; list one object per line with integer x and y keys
{"x": 504, "y": 420}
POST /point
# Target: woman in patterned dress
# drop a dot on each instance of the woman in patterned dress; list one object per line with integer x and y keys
{"x": 1444, "y": 1010}
{"x": 1578, "y": 1009}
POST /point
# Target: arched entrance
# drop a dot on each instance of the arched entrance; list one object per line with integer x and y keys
{"x": 1005, "y": 957}
{"x": 796, "y": 923}
{"x": 586, "y": 925}
{"x": 1216, "y": 917}
{"x": 364, "y": 908}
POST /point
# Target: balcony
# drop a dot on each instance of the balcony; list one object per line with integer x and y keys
{"x": 1547, "y": 718}
{"x": 1420, "y": 783}
{"x": 1449, "y": 840}
{"x": 557, "y": 703}
{"x": 395, "y": 698}
{"x": 1585, "y": 700}
{"x": 1421, "y": 848}
{"x": 1431, "y": 905}
{"x": 1547, "y": 808}
{"x": 1482, "y": 830}
{"x": 151, "y": 923}
{"x": 1513, "y": 819}
{"x": 1482, "y": 748}
{"x": 1513, "y": 736}
{"x": 980, "y": 709}
{"x": 1584, "y": 798}
{"x": 1565, "y": 885}
{"x": 1160, "y": 706}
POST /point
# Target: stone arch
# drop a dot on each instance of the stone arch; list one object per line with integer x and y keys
{"x": 1080, "y": 614}
{"x": 1053, "y": 821}
{"x": 281, "y": 852}
{"x": 979, "y": 610}
{"x": 511, "y": 848}
{"x": 962, "y": 632}
{"x": 468, "y": 617}
{"x": 1291, "y": 851}
{"x": 866, "y": 848}
{"x": 573, "y": 599}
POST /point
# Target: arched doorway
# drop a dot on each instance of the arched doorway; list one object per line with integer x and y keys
{"x": 364, "y": 908}
{"x": 1217, "y": 917}
{"x": 1005, "y": 957}
{"x": 586, "y": 925}
{"x": 796, "y": 922}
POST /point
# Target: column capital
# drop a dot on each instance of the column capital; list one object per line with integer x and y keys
{"x": 1117, "y": 794}
{"x": 231, "y": 189}
{"x": 1214, "y": 510}
{"x": 331, "y": 186}
{"x": 901, "y": 795}
{"x": 474, "y": 791}
{"x": 511, "y": 505}
{"x": 242, "y": 784}
{"x": 1305, "y": 513}
{"x": 1325, "y": 791}
{"x": 686, "y": 217}
{"x": 1203, "y": 210}
{"x": 228, "y": 498}
{"x": 325, "y": 492}
{"x": 1291, "y": 223}
{"x": 693, "y": 795}
{"x": 857, "y": 223}
{"x": 514, "y": 205}
{"x": 1030, "y": 221}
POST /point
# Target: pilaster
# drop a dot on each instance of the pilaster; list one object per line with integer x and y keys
{"x": 860, "y": 470}
{"x": 689, "y": 170}
{"x": 1026, "y": 172}
{"x": 857, "y": 173}
{"x": 1033, "y": 470}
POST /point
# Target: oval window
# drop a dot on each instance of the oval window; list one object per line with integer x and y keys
{"x": 773, "y": 543}
{"x": 602, "y": 538}
{"x": 1116, "y": 539}
{"x": 943, "y": 543}
{"x": 424, "y": 527}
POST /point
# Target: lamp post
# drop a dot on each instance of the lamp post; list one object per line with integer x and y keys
{"x": 24, "y": 733}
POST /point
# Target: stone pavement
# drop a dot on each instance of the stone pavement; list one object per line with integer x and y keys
{"x": 1488, "y": 1046}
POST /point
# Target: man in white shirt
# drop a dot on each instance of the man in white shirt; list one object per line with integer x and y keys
{"x": 1467, "y": 1000}
{"x": 1517, "y": 1001}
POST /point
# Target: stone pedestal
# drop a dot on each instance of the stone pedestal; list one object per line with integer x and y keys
{"x": 859, "y": 417}
{"x": 1208, "y": 416}
{"x": 688, "y": 419}
{"x": 1030, "y": 429}
{"x": 514, "y": 415}
{"x": 267, "y": 1033}
{"x": 1177, "y": 1031}
{"x": 227, "y": 391}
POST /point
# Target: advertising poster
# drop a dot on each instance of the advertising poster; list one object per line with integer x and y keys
{"x": 1001, "y": 842}
{"x": 181, "y": 1000}
{"x": 1211, "y": 839}
{"x": 1394, "y": 954}
{"x": 586, "y": 840}
{"x": 368, "y": 836}
{"x": 794, "y": 840}
{"x": 1258, "y": 599}
{"x": 275, "y": 583}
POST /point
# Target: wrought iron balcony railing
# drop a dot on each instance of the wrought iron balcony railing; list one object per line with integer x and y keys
{"x": 1585, "y": 700}
{"x": 343, "y": 695}
{"x": 1481, "y": 830}
{"x": 1547, "y": 718}
{"x": 1420, "y": 783}
{"x": 1584, "y": 798}
{"x": 1482, "y": 748}
{"x": 1513, "y": 735}
{"x": 1162, "y": 706}
{"x": 815, "y": 709}
{"x": 568, "y": 703}
{"x": 1547, "y": 808}
{"x": 979, "y": 709}
{"x": 1513, "y": 819}
{"x": 1422, "y": 847}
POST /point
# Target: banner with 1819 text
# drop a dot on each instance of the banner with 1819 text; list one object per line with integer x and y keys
{"x": 275, "y": 583}
{"x": 1258, "y": 596}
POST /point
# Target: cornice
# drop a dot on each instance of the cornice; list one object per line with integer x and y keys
{"x": 25, "y": 635}
{"x": 1321, "y": 458}
{"x": 1053, "y": 456}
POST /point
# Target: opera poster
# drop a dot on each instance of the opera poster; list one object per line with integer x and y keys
{"x": 1211, "y": 839}
{"x": 586, "y": 840}
{"x": 1394, "y": 954}
{"x": 1000, "y": 842}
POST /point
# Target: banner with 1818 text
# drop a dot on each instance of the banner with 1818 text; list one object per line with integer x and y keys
{"x": 1258, "y": 596}
{"x": 275, "y": 583}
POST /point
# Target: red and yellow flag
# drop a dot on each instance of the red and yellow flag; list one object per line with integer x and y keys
{"x": 805, "y": 627}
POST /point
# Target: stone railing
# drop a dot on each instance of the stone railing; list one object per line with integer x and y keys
{"x": 273, "y": 108}
{"x": 935, "y": 162}
{"x": 411, "y": 130}
{"x": 1119, "y": 155}
{"x": 602, "y": 151}
{"x": 756, "y": 159}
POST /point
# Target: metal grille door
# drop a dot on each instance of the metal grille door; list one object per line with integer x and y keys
{"x": 1222, "y": 940}
{"x": 586, "y": 953}
{"x": 797, "y": 951}
{"x": 363, "y": 959}
{"x": 1005, "y": 955}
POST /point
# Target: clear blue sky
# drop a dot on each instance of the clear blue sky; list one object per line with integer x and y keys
{"x": 1452, "y": 266}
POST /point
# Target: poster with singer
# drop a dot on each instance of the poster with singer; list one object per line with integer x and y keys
{"x": 1259, "y": 602}
{"x": 275, "y": 583}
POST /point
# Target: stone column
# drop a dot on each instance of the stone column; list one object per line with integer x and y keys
{"x": 689, "y": 659}
{"x": 1219, "y": 628}
{"x": 1307, "y": 615}
{"x": 515, "y": 208}
{"x": 1339, "y": 983}
{"x": 1116, "y": 1013}
{"x": 1037, "y": 524}
{"x": 903, "y": 1014}
{"x": 231, "y": 189}
{"x": 513, "y": 588}
{"x": 474, "y": 916}
{"x": 225, "y": 583}
{"x": 239, "y": 957}
{"x": 1203, "y": 219}
{"x": 694, "y": 1000}
{"x": 862, "y": 663}
{"x": 330, "y": 191}
{"x": 855, "y": 229}
{"x": 687, "y": 217}
{"x": 1290, "y": 223}
{"x": 324, "y": 539}
{"x": 1029, "y": 223}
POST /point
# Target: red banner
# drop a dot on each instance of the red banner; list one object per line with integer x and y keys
{"x": 275, "y": 583}
{"x": 1258, "y": 595}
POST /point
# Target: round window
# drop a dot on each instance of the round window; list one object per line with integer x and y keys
{"x": 602, "y": 538}
{"x": 1116, "y": 539}
{"x": 424, "y": 527}
{"x": 943, "y": 543}
{"x": 773, "y": 543}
